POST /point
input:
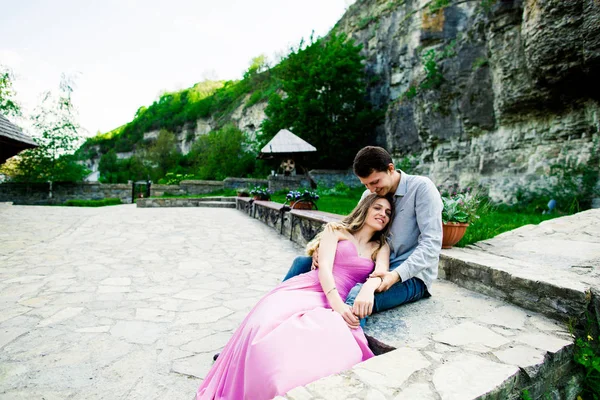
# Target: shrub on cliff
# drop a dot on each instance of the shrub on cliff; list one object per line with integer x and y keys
{"x": 223, "y": 153}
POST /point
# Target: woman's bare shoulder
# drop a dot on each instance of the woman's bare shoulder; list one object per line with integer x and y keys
{"x": 337, "y": 229}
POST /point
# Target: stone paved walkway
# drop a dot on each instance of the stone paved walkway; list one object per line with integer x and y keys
{"x": 125, "y": 303}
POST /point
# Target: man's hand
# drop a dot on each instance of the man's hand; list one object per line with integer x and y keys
{"x": 315, "y": 260}
{"x": 388, "y": 279}
{"x": 346, "y": 312}
{"x": 363, "y": 304}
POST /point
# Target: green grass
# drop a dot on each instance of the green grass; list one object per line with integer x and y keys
{"x": 93, "y": 203}
{"x": 330, "y": 200}
{"x": 495, "y": 222}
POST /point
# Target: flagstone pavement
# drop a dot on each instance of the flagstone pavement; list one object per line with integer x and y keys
{"x": 123, "y": 302}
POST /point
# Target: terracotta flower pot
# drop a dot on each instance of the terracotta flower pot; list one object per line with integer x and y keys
{"x": 452, "y": 233}
{"x": 301, "y": 205}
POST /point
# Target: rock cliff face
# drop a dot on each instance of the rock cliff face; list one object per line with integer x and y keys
{"x": 489, "y": 92}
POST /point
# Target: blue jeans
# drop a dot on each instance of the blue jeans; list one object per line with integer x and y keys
{"x": 400, "y": 293}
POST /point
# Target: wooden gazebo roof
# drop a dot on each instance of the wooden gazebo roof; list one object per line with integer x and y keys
{"x": 12, "y": 140}
{"x": 285, "y": 143}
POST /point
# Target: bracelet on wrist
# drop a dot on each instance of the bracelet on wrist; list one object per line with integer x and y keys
{"x": 330, "y": 290}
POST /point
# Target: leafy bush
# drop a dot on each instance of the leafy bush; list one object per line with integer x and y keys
{"x": 174, "y": 179}
{"x": 261, "y": 193}
{"x": 230, "y": 144}
{"x": 113, "y": 170}
{"x": 305, "y": 195}
{"x": 572, "y": 184}
{"x": 408, "y": 164}
{"x": 587, "y": 354}
{"x": 460, "y": 207}
{"x": 93, "y": 203}
{"x": 325, "y": 102}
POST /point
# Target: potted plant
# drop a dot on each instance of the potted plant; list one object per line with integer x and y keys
{"x": 243, "y": 192}
{"x": 460, "y": 209}
{"x": 260, "y": 193}
{"x": 304, "y": 200}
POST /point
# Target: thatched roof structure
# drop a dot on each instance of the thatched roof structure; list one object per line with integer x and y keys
{"x": 12, "y": 140}
{"x": 285, "y": 143}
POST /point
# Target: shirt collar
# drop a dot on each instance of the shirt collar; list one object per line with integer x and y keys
{"x": 402, "y": 185}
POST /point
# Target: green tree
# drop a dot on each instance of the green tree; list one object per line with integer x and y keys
{"x": 54, "y": 121}
{"x": 258, "y": 64}
{"x": 8, "y": 106}
{"x": 325, "y": 102}
{"x": 163, "y": 154}
{"x": 222, "y": 153}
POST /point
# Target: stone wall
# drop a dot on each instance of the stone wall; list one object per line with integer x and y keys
{"x": 200, "y": 187}
{"x": 516, "y": 93}
{"x": 241, "y": 183}
{"x": 328, "y": 178}
{"x": 281, "y": 182}
{"x": 300, "y": 226}
{"x": 39, "y": 193}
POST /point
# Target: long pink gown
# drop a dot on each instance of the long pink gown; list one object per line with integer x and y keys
{"x": 291, "y": 337}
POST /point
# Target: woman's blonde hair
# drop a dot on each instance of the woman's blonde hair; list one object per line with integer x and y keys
{"x": 355, "y": 221}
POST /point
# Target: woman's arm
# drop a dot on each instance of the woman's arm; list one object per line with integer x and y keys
{"x": 327, "y": 248}
{"x": 363, "y": 304}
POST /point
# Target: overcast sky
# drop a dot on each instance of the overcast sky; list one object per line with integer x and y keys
{"x": 124, "y": 53}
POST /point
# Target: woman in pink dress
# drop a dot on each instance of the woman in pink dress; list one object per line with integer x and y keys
{"x": 302, "y": 330}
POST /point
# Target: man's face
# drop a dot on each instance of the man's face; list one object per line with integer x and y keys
{"x": 379, "y": 182}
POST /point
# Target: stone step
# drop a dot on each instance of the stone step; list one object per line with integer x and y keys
{"x": 215, "y": 204}
{"x": 218, "y": 198}
{"x": 458, "y": 345}
{"x": 552, "y": 268}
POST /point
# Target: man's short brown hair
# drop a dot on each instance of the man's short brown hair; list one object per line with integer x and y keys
{"x": 371, "y": 159}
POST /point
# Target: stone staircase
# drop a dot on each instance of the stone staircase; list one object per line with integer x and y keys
{"x": 215, "y": 202}
{"x": 496, "y": 326}
{"x": 458, "y": 345}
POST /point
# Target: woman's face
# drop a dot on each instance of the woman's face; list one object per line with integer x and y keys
{"x": 379, "y": 214}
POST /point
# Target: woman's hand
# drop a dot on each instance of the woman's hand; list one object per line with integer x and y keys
{"x": 346, "y": 312}
{"x": 363, "y": 304}
{"x": 315, "y": 259}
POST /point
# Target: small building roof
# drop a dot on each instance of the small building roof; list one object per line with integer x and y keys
{"x": 286, "y": 142}
{"x": 12, "y": 139}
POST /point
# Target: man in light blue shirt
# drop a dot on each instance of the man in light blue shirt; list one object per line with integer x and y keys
{"x": 415, "y": 242}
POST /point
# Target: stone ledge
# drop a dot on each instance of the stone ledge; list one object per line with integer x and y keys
{"x": 300, "y": 226}
{"x": 460, "y": 345}
{"x": 549, "y": 268}
{"x": 518, "y": 282}
{"x": 186, "y": 202}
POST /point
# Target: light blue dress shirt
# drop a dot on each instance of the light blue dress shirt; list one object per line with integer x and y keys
{"x": 416, "y": 231}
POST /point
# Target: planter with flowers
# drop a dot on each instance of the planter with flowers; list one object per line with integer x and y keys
{"x": 243, "y": 192}
{"x": 460, "y": 210}
{"x": 302, "y": 200}
{"x": 260, "y": 193}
